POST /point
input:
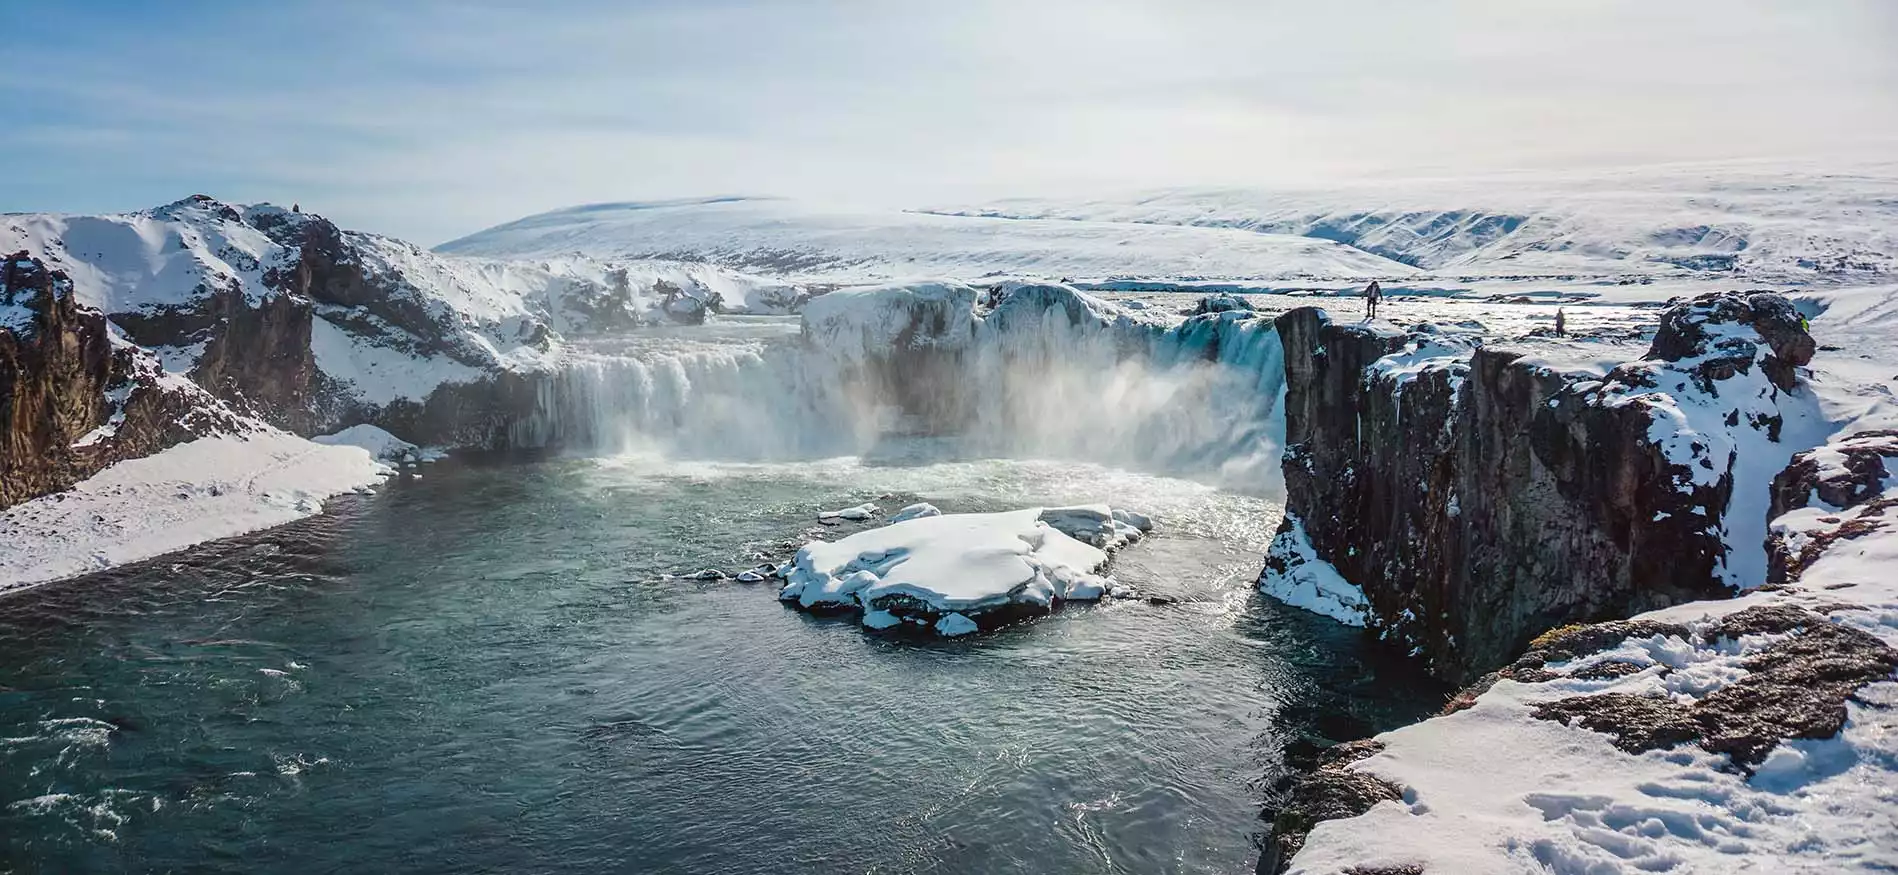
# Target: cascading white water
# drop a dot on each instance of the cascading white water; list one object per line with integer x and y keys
{"x": 1202, "y": 397}
{"x": 1047, "y": 372}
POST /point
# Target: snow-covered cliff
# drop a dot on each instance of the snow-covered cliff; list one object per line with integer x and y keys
{"x": 311, "y": 326}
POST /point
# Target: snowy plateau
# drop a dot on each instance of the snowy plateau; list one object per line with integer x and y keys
{"x": 202, "y": 369}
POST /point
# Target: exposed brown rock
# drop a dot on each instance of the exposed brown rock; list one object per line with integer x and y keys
{"x": 1331, "y": 791}
{"x": 61, "y": 378}
{"x": 1852, "y": 485}
{"x": 1795, "y": 688}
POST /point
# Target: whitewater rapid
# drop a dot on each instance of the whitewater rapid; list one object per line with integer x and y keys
{"x": 1032, "y": 371}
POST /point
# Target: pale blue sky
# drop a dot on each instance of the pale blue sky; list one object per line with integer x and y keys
{"x": 430, "y": 120}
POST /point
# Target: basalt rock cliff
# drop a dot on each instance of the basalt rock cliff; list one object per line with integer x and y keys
{"x": 1479, "y": 500}
{"x": 73, "y": 399}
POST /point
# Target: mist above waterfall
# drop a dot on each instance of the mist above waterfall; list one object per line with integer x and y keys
{"x": 1020, "y": 371}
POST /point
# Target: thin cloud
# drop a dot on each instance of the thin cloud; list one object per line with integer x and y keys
{"x": 430, "y": 120}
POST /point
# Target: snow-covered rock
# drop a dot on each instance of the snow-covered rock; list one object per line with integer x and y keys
{"x": 1444, "y": 477}
{"x": 951, "y": 573}
{"x": 856, "y": 323}
{"x": 76, "y": 396}
{"x": 1098, "y": 525}
{"x": 1757, "y": 734}
{"x": 313, "y": 325}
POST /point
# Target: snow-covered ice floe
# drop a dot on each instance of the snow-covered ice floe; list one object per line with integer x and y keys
{"x": 956, "y": 573}
{"x": 210, "y": 488}
{"x": 857, "y": 514}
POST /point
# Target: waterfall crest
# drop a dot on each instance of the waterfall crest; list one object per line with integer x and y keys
{"x": 1024, "y": 371}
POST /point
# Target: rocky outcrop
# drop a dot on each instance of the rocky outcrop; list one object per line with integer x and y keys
{"x": 71, "y": 400}
{"x": 1480, "y": 499}
{"x": 1324, "y": 789}
{"x": 1842, "y": 484}
{"x": 1795, "y": 687}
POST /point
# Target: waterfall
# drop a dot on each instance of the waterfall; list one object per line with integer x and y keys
{"x": 1047, "y": 372}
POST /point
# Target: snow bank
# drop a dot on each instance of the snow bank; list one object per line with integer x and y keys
{"x": 380, "y": 444}
{"x": 199, "y": 491}
{"x": 916, "y": 511}
{"x": 856, "y": 514}
{"x": 954, "y": 573}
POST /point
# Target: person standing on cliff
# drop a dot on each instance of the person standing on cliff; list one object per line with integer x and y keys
{"x": 1561, "y": 323}
{"x": 1372, "y": 294}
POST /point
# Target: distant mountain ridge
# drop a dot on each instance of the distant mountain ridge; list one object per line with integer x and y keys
{"x": 1745, "y": 222}
{"x": 822, "y": 243}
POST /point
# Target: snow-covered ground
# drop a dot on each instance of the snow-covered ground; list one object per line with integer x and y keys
{"x": 1777, "y": 223}
{"x": 824, "y": 243}
{"x": 1711, "y": 222}
{"x": 209, "y": 488}
{"x": 1493, "y": 789}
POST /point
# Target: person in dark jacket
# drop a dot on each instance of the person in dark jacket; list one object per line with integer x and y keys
{"x": 1561, "y": 323}
{"x": 1373, "y": 293}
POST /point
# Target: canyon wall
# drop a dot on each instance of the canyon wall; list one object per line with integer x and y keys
{"x": 1479, "y": 500}
{"x": 72, "y": 400}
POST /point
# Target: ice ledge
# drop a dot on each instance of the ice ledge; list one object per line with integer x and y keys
{"x": 1296, "y": 576}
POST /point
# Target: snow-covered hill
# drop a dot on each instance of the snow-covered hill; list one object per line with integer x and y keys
{"x": 846, "y": 245}
{"x": 1712, "y": 222}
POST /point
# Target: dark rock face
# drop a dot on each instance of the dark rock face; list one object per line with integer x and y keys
{"x": 70, "y": 402}
{"x": 1327, "y": 791}
{"x": 1480, "y": 503}
{"x": 1795, "y": 688}
{"x": 1857, "y": 477}
{"x": 1847, "y": 478}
